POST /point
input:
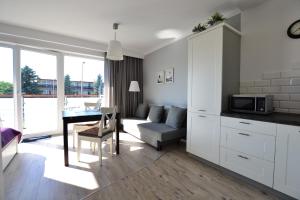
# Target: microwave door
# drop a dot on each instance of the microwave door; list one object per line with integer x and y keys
{"x": 243, "y": 104}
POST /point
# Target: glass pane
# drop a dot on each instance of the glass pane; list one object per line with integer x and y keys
{"x": 38, "y": 77}
{"x": 84, "y": 82}
{"x": 6, "y": 87}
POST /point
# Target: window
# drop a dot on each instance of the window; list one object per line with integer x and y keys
{"x": 84, "y": 81}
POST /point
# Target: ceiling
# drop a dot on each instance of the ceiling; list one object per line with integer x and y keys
{"x": 145, "y": 26}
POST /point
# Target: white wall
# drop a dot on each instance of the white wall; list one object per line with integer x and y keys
{"x": 265, "y": 44}
{"x": 172, "y": 56}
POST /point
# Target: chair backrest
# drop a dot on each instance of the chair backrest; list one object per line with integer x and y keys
{"x": 109, "y": 114}
{"x": 93, "y": 106}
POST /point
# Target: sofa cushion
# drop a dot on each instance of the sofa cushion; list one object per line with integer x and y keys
{"x": 153, "y": 132}
{"x": 176, "y": 117}
{"x": 142, "y": 111}
{"x": 155, "y": 114}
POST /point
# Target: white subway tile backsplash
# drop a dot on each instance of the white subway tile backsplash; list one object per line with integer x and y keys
{"x": 255, "y": 90}
{"x": 284, "y": 86}
{"x": 290, "y": 74}
{"x": 295, "y": 111}
{"x": 281, "y": 110}
{"x": 280, "y": 82}
{"x": 276, "y": 104}
{"x": 261, "y": 83}
{"x": 271, "y": 75}
{"x": 290, "y": 89}
{"x": 281, "y": 97}
{"x": 270, "y": 90}
{"x": 295, "y": 81}
{"x": 243, "y": 90}
{"x": 247, "y": 83}
{"x": 295, "y": 97}
{"x": 290, "y": 104}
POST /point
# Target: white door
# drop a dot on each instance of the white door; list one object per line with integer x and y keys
{"x": 39, "y": 92}
{"x": 204, "y": 136}
{"x": 205, "y": 72}
{"x": 287, "y": 160}
{"x": 7, "y": 109}
{"x": 1, "y": 176}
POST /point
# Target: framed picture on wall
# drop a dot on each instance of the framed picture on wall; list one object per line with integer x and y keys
{"x": 169, "y": 76}
{"x": 160, "y": 77}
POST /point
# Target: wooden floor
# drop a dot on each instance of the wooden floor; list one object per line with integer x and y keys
{"x": 139, "y": 172}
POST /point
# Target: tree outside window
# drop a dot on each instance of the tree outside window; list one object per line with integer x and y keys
{"x": 30, "y": 81}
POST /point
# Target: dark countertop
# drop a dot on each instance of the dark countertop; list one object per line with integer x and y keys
{"x": 279, "y": 118}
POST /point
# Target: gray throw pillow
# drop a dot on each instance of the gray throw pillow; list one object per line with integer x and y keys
{"x": 155, "y": 114}
{"x": 176, "y": 117}
{"x": 142, "y": 111}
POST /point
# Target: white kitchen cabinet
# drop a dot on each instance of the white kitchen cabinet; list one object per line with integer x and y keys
{"x": 248, "y": 148}
{"x": 255, "y": 144}
{"x": 287, "y": 160}
{"x": 249, "y": 166}
{"x": 249, "y": 125}
{"x": 213, "y": 74}
{"x": 205, "y": 72}
{"x": 204, "y": 136}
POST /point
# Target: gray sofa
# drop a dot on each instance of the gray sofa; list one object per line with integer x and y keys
{"x": 157, "y": 132}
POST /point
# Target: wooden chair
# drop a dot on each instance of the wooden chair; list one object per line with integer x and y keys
{"x": 82, "y": 126}
{"x": 102, "y": 131}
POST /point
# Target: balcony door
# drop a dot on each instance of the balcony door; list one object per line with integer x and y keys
{"x": 7, "y": 116}
{"x": 39, "y": 92}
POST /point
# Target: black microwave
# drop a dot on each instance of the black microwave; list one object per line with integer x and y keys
{"x": 257, "y": 104}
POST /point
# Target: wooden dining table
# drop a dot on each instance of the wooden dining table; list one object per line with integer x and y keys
{"x": 84, "y": 116}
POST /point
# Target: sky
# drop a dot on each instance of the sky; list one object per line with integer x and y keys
{"x": 45, "y": 65}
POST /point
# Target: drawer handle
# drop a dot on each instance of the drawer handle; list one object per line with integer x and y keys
{"x": 202, "y": 110}
{"x": 244, "y": 157}
{"x": 244, "y": 134}
{"x": 201, "y": 116}
{"x": 245, "y": 123}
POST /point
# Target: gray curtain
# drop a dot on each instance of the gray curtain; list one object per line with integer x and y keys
{"x": 118, "y": 75}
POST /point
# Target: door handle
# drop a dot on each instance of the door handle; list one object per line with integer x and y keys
{"x": 244, "y": 157}
{"x": 245, "y": 123}
{"x": 202, "y": 110}
{"x": 244, "y": 134}
{"x": 201, "y": 116}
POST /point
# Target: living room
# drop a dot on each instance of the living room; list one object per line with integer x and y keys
{"x": 150, "y": 100}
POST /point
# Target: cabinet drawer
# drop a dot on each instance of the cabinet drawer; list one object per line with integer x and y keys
{"x": 251, "y": 167}
{"x": 249, "y": 125}
{"x": 254, "y": 144}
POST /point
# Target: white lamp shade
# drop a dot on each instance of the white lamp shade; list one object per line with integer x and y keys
{"x": 114, "y": 50}
{"x": 134, "y": 86}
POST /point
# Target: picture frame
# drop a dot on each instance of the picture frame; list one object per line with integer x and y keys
{"x": 169, "y": 75}
{"x": 160, "y": 77}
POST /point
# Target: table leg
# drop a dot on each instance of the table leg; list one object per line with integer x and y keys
{"x": 118, "y": 133}
{"x": 66, "y": 147}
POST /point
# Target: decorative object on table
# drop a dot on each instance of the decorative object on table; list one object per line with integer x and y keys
{"x": 134, "y": 86}
{"x": 160, "y": 77}
{"x": 114, "y": 50}
{"x": 215, "y": 19}
{"x": 199, "y": 28}
{"x": 294, "y": 30}
{"x": 169, "y": 76}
